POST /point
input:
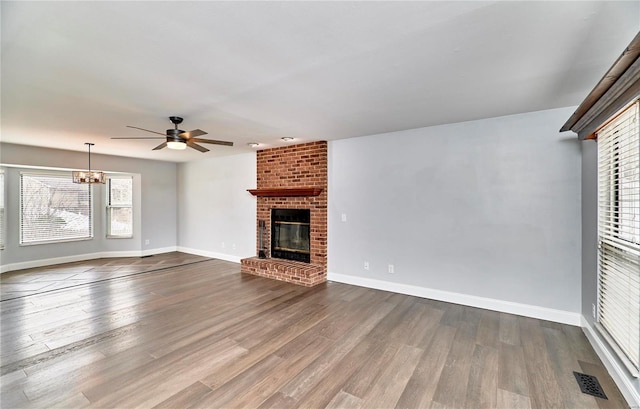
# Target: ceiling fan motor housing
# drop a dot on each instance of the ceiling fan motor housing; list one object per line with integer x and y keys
{"x": 174, "y": 134}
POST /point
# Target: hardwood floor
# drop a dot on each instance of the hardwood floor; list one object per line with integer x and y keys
{"x": 15, "y": 284}
{"x": 204, "y": 335}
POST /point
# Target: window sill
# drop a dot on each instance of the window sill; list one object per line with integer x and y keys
{"x": 37, "y": 243}
{"x": 633, "y": 371}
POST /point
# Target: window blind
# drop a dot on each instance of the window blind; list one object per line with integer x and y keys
{"x": 120, "y": 206}
{"x": 53, "y": 208}
{"x": 619, "y": 233}
{"x": 2, "y": 209}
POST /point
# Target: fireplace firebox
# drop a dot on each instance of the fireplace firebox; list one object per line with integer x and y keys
{"x": 290, "y": 234}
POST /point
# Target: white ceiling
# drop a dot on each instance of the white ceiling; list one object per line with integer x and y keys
{"x": 75, "y": 72}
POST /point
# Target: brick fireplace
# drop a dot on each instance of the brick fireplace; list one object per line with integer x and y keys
{"x": 292, "y": 177}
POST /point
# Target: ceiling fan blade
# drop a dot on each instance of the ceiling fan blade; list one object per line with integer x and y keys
{"x": 138, "y": 137}
{"x": 199, "y": 140}
{"x": 197, "y": 147}
{"x": 192, "y": 134}
{"x": 162, "y": 145}
{"x": 146, "y": 130}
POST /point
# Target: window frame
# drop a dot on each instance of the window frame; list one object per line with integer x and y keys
{"x": 109, "y": 206}
{"x": 61, "y": 175}
{"x": 611, "y": 240}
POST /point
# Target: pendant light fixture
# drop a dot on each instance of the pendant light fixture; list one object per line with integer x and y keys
{"x": 88, "y": 177}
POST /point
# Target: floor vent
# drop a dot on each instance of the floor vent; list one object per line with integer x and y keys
{"x": 589, "y": 384}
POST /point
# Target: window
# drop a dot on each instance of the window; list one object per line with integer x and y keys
{"x": 1, "y": 209}
{"x": 619, "y": 234}
{"x": 120, "y": 207}
{"x": 53, "y": 209}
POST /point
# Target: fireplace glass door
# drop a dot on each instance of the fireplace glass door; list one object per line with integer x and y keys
{"x": 290, "y": 234}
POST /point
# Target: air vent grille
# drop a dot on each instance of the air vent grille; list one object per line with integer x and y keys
{"x": 589, "y": 384}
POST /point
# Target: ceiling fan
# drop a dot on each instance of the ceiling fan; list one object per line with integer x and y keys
{"x": 179, "y": 139}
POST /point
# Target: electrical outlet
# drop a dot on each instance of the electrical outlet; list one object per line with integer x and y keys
{"x": 366, "y": 265}
{"x": 391, "y": 270}
{"x": 593, "y": 311}
{"x": 222, "y": 244}
{"x": 344, "y": 217}
{"x": 146, "y": 242}
{"x": 233, "y": 246}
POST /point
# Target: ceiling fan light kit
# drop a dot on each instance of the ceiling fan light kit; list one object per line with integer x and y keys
{"x": 178, "y": 139}
{"x": 88, "y": 176}
{"x": 177, "y": 145}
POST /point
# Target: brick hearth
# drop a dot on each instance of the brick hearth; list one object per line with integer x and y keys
{"x": 292, "y": 167}
{"x": 285, "y": 270}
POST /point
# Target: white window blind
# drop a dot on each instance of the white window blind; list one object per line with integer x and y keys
{"x": 53, "y": 208}
{"x": 120, "y": 206}
{"x": 619, "y": 234}
{"x": 2, "y": 209}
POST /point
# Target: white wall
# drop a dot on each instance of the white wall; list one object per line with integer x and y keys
{"x": 155, "y": 216}
{"x": 483, "y": 213}
{"x": 217, "y": 214}
{"x": 589, "y": 228}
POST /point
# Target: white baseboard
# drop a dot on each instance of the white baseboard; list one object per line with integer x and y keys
{"x": 212, "y": 254}
{"x": 526, "y": 310}
{"x": 82, "y": 257}
{"x": 161, "y": 250}
{"x": 617, "y": 371}
{"x": 48, "y": 262}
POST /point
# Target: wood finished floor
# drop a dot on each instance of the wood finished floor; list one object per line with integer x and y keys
{"x": 37, "y": 280}
{"x": 204, "y": 335}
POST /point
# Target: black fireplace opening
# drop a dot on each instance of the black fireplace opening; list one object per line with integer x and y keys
{"x": 290, "y": 234}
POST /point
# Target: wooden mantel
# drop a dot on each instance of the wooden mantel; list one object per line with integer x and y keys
{"x": 286, "y": 192}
